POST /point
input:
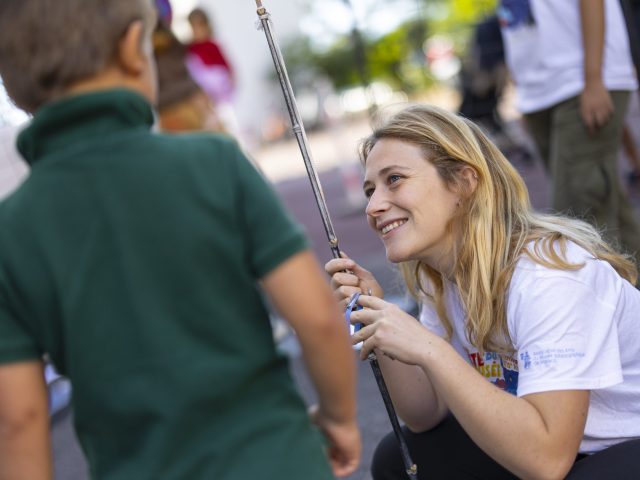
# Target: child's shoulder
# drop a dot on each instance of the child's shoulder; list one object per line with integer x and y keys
{"x": 196, "y": 142}
{"x": 197, "y": 148}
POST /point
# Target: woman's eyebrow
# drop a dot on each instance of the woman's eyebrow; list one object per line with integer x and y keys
{"x": 393, "y": 167}
{"x": 384, "y": 171}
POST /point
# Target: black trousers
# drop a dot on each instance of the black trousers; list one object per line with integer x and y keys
{"x": 447, "y": 452}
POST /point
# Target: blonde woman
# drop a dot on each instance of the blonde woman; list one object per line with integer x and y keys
{"x": 526, "y": 359}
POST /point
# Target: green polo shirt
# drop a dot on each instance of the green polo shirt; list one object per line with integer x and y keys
{"x": 131, "y": 257}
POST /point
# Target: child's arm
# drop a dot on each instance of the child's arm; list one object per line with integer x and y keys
{"x": 300, "y": 293}
{"x": 25, "y": 450}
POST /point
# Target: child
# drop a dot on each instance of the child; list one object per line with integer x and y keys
{"x": 206, "y": 61}
{"x": 133, "y": 260}
{"x": 210, "y": 68}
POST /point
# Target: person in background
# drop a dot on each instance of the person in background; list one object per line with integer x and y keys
{"x": 138, "y": 261}
{"x": 631, "y": 10}
{"x": 573, "y": 73}
{"x": 210, "y": 67}
{"x": 483, "y": 79}
{"x": 182, "y": 104}
{"x": 632, "y": 153}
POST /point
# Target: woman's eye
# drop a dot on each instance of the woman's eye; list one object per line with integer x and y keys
{"x": 368, "y": 192}
{"x": 393, "y": 178}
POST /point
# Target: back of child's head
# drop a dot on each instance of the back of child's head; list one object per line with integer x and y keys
{"x": 198, "y": 15}
{"x": 46, "y": 46}
{"x": 200, "y": 24}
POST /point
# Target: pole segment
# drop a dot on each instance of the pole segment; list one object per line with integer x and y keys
{"x": 301, "y": 138}
{"x": 298, "y": 127}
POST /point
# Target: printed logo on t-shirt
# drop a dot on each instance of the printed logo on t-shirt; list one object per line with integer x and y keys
{"x": 513, "y": 13}
{"x": 499, "y": 369}
{"x": 550, "y": 356}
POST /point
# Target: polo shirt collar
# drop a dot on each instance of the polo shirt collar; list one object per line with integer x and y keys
{"x": 83, "y": 117}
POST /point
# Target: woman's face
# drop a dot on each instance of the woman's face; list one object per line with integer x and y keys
{"x": 409, "y": 204}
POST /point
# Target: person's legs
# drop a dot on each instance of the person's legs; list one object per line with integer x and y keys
{"x": 444, "y": 452}
{"x": 584, "y": 171}
{"x": 620, "y": 462}
{"x": 538, "y": 125}
{"x": 632, "y": 152}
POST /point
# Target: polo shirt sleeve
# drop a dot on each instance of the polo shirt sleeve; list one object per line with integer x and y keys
{"x": 16, "y": 344}
{"x": 565, "y": 334}
{"x": 272, "y": 235}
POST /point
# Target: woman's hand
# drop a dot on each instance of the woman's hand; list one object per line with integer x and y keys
{"x": 390, "y": 330}
{"x": 347, "y": 278}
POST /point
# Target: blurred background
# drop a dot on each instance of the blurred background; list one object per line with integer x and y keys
{"x": 348, "y": 60}
{"x": 345, "y": 57}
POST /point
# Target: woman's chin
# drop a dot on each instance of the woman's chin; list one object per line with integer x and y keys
{"x": 397, "y": 257}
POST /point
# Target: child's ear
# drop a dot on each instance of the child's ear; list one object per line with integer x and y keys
{"x": 131, "y": 56}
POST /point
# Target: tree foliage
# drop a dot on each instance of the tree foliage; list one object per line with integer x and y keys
{"x": 396, "y": 57}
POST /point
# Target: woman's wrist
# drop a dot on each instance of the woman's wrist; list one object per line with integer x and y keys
{"x": 435, "y": 349}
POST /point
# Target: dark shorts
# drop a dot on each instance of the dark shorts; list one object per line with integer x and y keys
{"x": 447, "y": 452}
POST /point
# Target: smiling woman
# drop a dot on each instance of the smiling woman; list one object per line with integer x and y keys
{"x": 524, "y": 315}
{"x": 409, "y": 205}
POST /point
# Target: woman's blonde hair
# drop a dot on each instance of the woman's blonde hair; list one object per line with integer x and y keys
{"x": 496, "y": 218}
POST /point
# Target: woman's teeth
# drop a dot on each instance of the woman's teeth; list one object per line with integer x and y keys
{"x": 391, "y": 226}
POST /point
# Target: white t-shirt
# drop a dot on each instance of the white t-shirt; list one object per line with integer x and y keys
{"x": 13, "y": 168}
{"x": 543, "y": 48}
{"x": 572, "y": 330}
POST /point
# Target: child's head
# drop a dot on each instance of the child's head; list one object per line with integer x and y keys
{"x": 200, "y": 25}
{"x": 49, "y": 48}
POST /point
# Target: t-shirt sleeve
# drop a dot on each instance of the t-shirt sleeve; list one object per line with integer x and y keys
{"x": 565, "y": 335}
{"x": 16, "y": 344}
{"x": 429, "y": 318}
{"x": 271, "y": 233}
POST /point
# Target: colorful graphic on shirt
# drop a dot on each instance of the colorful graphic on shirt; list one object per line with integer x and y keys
{"x": 499, "y": 369}
{"x": 510, "y": 371}
{"x": 513, "y": 13}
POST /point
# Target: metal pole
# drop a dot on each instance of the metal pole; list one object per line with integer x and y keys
{"x": 301, "y": 137}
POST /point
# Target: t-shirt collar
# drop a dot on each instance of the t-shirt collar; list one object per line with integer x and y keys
{"x": 83, "y": 117}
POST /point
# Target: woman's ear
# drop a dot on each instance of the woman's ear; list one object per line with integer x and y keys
{"x": 468, "y": 180}
{"x": 131, "y": 56}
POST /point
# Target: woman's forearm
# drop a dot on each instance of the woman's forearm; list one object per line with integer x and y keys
{"x": 536, "y": 436}
{"x": 413, "y": 396}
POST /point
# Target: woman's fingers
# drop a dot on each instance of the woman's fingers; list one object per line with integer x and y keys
{"x": 339, "y": 265}
{"x": 344, "y": 294}
{"x": 372, "y": 301}
{"x": 364, "y": 316}
{"x": 367, "y": 347}
{"x": 344, "y": 279}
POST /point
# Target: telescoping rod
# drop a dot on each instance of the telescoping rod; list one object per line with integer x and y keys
{"x": 298, "y": 127}
{"x": 301, "y": 137}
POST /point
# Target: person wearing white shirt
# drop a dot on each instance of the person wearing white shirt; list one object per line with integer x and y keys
{"x": 573, "y": 72}
{"x": 526, "y": 361}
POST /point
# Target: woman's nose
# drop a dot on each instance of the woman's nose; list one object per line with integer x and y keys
{"x": 377, "y": 204}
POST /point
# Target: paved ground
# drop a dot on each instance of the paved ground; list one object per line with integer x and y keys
{"x": 339, "y": 175}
